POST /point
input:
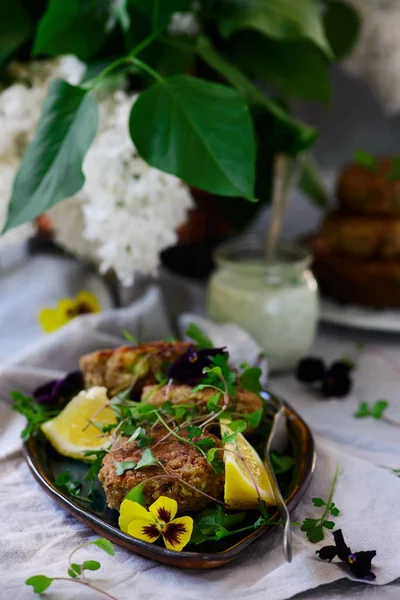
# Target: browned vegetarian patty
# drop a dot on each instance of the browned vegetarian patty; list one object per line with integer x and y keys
{"x": 179, "y": 458}
{"x": 244, "y": 402}
{"x": 362, "y": 236}
{"x": 117, "y": 369}
{"x": 366, "y": 192}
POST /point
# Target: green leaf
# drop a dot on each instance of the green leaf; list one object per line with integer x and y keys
{"x": 297, "y": 69}
{"x": 278, "y": 19}
{"x": 105, "y": 545}
{"x": 394, "y": 173}
{"x": 147, "y": 460}
{"x": 51, "y": 167}
{"x": 72, "y": 574}
{"x": 366, "y": 160}
{"x": 334, "y": 510}
{"x": 328, "y": 524}
{"x": 136, "y": 494}
{"x": 222, "y": 147}
{"x": 15, "y": 27}
{"x": 281, "y": 464}
{"x": 40, "y": 583}
{"x": 318, "y": 501}
{"x": 121, "y": 467}
{"x": 254, "y": 418}
{"x": 75, "y": 569}
{"x": 197, "y": 335}
{"x": 316, "y": 534}
{"x": 91, "y": 565}
{"x": 72, "y": 27}
{"x": 193, "y": 431}
{"x": 213, "y": 402}
{"x": 378, "y": 409}
{"x": 311, "y": 183}
{"x": 205, "y": 443}
{"x": 309, "y": 524}
{"x": 250, "y": 380}
{"x": 363, "y": 411}
{"x": 211, "y": 454}
{"x": 128, "y": 336}
{"x": 282, "y": 132}
{"x": 342, "y": 27}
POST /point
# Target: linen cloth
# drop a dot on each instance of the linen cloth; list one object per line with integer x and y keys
{"x": 37, "y": 536}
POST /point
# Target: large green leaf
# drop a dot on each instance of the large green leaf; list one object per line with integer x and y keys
{"x": 284, "y": 133}
{"x": 72, "y": 27}
{"x": 15, "y": 27}
{"x": 199, "y": 131}
{"x": 296, "y": 69}
{"x": 342, "y": 26}
{"x": 51, "y": 168}
{"x": 279, "y": 19}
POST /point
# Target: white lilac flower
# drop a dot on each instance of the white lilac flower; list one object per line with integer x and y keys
{"x": 20, "y": 106}
{"x": 376, "y": 56}
{"x": 184, "y": 24}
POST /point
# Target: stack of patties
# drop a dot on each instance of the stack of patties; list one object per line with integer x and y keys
{"x": 357, "y": 249}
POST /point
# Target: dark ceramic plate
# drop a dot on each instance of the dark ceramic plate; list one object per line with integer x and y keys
{"x": 46, "y": 465}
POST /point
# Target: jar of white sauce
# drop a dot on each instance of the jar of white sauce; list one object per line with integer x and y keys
{"x": 276, "y": 303}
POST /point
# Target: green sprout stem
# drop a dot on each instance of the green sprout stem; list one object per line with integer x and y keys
{"x": 86, "y": 583}
{"x": 331, "y": 493}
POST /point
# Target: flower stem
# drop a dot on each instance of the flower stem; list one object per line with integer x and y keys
{"x": 87, "y": 584}
{"x": 332, "y": 491}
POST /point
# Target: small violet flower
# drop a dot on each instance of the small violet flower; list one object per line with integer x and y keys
{"x": 148, "y": 525}
{"x": 67, "y": 309}
{"x": 188, "y": 368}
{"x": 52, "y": 392}
{"x": 359, "y": 562}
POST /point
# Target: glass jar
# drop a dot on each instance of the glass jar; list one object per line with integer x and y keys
{"x": 276, "y": 303}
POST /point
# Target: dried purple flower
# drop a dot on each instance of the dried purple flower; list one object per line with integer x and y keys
{"x": 359, "y": 562}
{"x": 188, "y": 368}
{"x": 53, "y": 391}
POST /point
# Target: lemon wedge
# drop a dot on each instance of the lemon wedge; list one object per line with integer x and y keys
{"x": 69, "y": 432}
{"x": 239, "y": 491}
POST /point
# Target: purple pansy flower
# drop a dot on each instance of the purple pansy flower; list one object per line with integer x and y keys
{"x": 359, "y": 562}
{"x": 188, "y": 368}
{"x": 53, "y": 391}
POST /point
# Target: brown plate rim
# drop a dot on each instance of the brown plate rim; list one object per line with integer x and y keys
{"x": 184, "y": 559}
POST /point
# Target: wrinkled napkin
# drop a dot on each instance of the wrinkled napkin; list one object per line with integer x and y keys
{"x": 37, "y": 536}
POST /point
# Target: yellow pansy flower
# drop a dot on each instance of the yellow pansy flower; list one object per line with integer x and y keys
{"x": 67, "y": 309}
{"x": 148, "y": 525}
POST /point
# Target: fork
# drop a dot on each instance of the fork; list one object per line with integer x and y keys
{"x": 277, "y": 439}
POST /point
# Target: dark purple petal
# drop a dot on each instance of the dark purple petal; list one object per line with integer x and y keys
{"x": 188, "y": 368}
{"x": 310, "y": 369}
{"x": 343, "y": 551}
{"x": 360, "y": 564}
{"x": 53, "y": 391}
{"x": 327, "y": 553}
{"x": 336, "y": 386}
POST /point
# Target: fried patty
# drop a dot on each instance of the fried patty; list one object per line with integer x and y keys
{"x": 180, "y": 459}
{"x": 366, "y": 237}
{"x": 366, "y": 192}
{"x": 244, "y": 402}
{"x": 117, "y": 369}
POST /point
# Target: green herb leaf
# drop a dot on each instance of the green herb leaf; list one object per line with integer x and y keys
{"x": 318, "y": 501}
{"x": 51, "y": 167}
{"x": 93, "y": 471}
{"x": 334, "y": 510}
{"x": 72, "y": 574}
{"x": 250, "y": 380}
{"x": 223, "y": 151}
{"x": 72, "y": 27}
{"x": 281, "y": 463}
{"x": 394, "y": 173}
{"x": 316, "y": 534}
{"x": 91, "y": 565}
{"x": 211, "y": 454}
{"x": 213, "y": 403}
{"x": 35, "y": 414}
{"x": 197, "y": 335}
{"x": 366, "y": 160}
{"x": 328, "y": 524}
{"x": 147, "y": 460}
{"x": 309, "y": 524}
{"x": 193, "y": 431}
{"x": 128, "y": 336}
{"x": 254, "y": 418}
{"x": 105, "y": 545}
{"x": 136, "y": 494}
{"x": 121, "y": 467}
{"x": 40, "y": 583}
{"x": 205, "y": 443}
{"x": 75, "y": 570}
{"x": 375, "y": 411}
